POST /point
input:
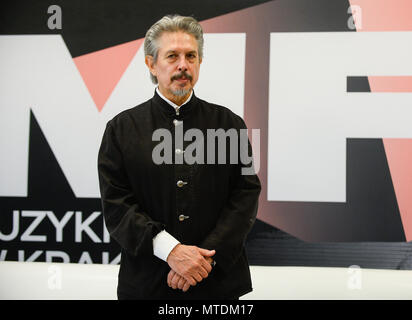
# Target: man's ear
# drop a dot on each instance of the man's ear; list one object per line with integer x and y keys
{"x": 150, "y": 64}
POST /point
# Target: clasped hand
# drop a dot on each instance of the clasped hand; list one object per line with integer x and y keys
{"x": 189, "y": 265}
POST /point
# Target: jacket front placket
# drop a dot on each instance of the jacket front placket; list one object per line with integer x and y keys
{"x": 182, "y": 183}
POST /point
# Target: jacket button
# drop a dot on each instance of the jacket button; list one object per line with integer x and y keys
{"x": 181, "y": 183}
{"x": 179, "y": 151}
{"x": 182, "y": 217}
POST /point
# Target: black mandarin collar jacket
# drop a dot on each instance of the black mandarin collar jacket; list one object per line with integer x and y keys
{"x": 141, "y": 198}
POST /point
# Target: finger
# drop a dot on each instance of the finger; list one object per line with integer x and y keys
{"x": 169, "y": 278}
{"x": 181, "y": 283}
{"x": 206, "y": 265}
{"x": 175, "y": 280}
{"x": 186, "y": 286}
{"x": 191, "y": 280}
{"x": 197, "y": 276}
{"x": 196, "y": 272}
{"x": 207, "y": 253}
{"x": 203, "y": 270}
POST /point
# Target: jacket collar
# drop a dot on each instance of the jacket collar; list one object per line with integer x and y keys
{"x": 169, "y": 110}
{"x": 171, "y": 102}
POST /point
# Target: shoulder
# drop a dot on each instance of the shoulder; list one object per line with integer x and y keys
{"x": 221, "y": 113}
{"x": 129, "y": 116}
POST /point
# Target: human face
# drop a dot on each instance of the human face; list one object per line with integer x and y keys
{"x": 177, "y": 66}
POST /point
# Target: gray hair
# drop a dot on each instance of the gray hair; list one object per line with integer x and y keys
{"x": 171, "y": 23}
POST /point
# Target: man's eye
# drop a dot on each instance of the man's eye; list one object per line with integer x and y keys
{"x": 171, "y": 56}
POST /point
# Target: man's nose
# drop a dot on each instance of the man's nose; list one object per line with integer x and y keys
{"x": 182, "y": 66}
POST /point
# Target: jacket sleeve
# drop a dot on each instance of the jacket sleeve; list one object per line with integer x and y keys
{"x": 236, "y": 219}
{"x": 132, "y": 228}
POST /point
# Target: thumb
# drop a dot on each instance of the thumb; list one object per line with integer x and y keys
{"x": 207, "y": 253}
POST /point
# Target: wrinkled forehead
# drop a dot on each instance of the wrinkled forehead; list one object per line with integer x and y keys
{"x": 178, "y": 41}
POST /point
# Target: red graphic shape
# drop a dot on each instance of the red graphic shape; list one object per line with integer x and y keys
{"x": 399, "y": 155}
{"x": 102, "y": 70}
{"x": 382, "y": 15}
{"x": 390, "y": 84}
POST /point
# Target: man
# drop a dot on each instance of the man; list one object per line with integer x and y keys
{"x": 181, "y": 226}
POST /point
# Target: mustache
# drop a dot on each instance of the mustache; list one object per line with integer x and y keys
{"x": 181, "y": 75}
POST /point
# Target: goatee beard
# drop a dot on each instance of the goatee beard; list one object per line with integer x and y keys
{"x": 180, "y": 92}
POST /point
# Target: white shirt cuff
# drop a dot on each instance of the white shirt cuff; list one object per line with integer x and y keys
{"x": 163, "y": 243}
